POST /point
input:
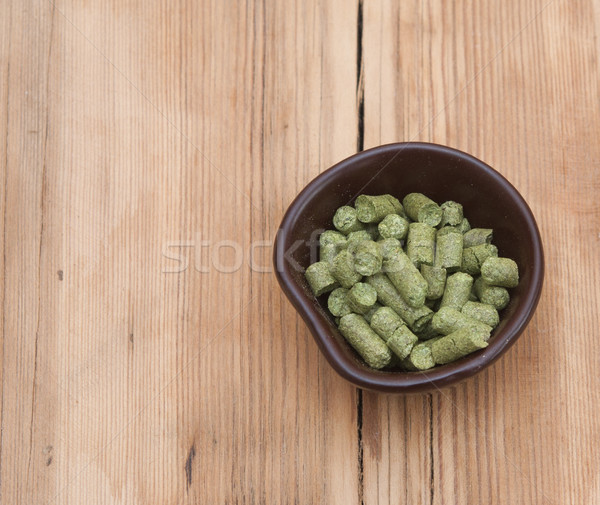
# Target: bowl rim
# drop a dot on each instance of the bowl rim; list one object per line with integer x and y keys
{"x": 405, "y": 382}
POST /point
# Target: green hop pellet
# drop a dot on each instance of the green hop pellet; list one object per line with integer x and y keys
{"x": 473, "y": 257}
{"x": 372, "y": 209}
{"x": 389, "y": 247}
{"x": 367, "y": 258}
{"x": 483, "y": 312}
{"x": 320, "y": 278}
{"x": 458, "y": 288}
{"x": 447, "y": 320}
{"x": 329, "y": 237}
{"x": 430, "y": 342}
{"x": 343, "y": 270}
{"x": 420, "y": 358}
{"x": 457, "y": 345}
{"x": 428, "y": 332}
{"x": 365, "y": 341}
{"x": 420, "y": 244}
{"x": 422, "y": 209}
{"x": 495, "y": 296}
{"x": 464, "y": 226}
{"x": 452, "y": 213}
{"x": 346, "y": 220}
{"x": 328, "y": 252}
{"x": 449, "y": 251}
{"x": 477, "y": 236}
{"x": 361, "y": 297}
{"x": 331, "y": 242}
{"x": 436, "y": 280}
{"x": 445, "y": 230}
{"x": 415, "y": 318}
{"x": 369, "y": 314}
{"x": 355, "y": 238}
{"x": 500, "y": 272}
{"x": 402, "y": 341}
{"x": 406, "y": 279}
{"x": 385, "y": 322}
{"x": 393, "y": 226}
{"x": 337, "y": 303}
{"x": 398, "y": 208}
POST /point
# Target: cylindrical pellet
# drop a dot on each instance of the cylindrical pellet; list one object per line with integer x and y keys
{"x": 367, "y": 258}
{"x": 464, "y": 226}
{"x": 327, "y": 253}
{"x": 430, "y": 342}
{"x": 422, "y": 209}
{"x": 420, "y": 358}
{"x": 372, "y": 209}
{"x": 393, "y": 226}
{"x": 369, "y": 314}
{"x": 346, "y": 221}
{"x": 420, "y": 244}
{"x": 385, "y": 322}
{"x": 447, "y": 320}
{"x": 402, "y": 341}
{"x": 331, "y": 243}
{"x": 415, "y": 318}
{"x": 483, "y": 312}
{"x": 456, "y": 345}
{"x": 361, "y": 297}
{"x": 332, "y": 237}
{"x": 496, "y": 296}
{"x": 337, "y": 303}
{"x": 452, "y": 213}
{"x": 406, "y": 279}
{"x": 389, "y": 247}
{"x": 449, "y": 251}
{"x": 355, "y": 238}
{"x": 436, "y": 281}
{"x": 330, "y": 251}
{"x": 458, "y": 288}
{"x": 398, "y": 209}
{"x": 320, "y": 278}
{"x": 365, "y": 341}
{"x": 477, "y": 236}
{"x": 473, "y": 257}
{"x": 343, "y": 269}
{"x": 428, "y": 332}
{"x": 502, "y": 272}
{"x": 446, "y": 229}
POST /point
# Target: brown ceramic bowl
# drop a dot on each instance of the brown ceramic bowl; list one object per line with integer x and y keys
{"x": 442, "y": 173}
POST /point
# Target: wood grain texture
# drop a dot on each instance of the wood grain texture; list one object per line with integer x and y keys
{"x": 148, "y": 152}
{"x": 515, "y": 85}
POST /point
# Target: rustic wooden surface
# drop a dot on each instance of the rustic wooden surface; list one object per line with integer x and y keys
{"x": 149, "y": 151}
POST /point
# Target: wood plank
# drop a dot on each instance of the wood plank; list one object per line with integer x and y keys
{"x": 158, "y": 127}
{"x": 515, "y": 84}
{"x": 137, "y": 139}
{"x": 28, "y": 414}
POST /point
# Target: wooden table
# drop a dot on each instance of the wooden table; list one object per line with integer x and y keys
{"x": 149, "y": 151}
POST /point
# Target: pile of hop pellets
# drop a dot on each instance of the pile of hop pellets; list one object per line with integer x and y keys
{"x": 411, "y": 285}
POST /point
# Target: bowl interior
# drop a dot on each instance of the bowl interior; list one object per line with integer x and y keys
{"x": 442, "y": 174}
